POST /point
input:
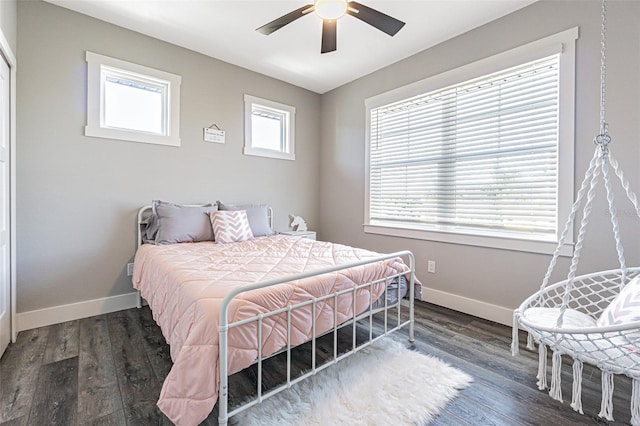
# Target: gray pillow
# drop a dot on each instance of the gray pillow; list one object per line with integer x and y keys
{"x": 258, "y": 215}
{"x": 177, "y": 223}
{"x": 149, "y": 229}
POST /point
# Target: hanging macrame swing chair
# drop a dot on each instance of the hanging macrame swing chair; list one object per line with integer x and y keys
{"x": 592, "y": 318}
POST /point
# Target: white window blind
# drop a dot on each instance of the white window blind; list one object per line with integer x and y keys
{"x": 481, "y": 156}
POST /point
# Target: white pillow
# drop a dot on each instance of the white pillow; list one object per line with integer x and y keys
{"x": 625, "y": 308}
{"x": 230, "y": 226}
{"x": 548, "y": 317}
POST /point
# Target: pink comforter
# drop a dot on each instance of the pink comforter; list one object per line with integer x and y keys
{"x": 185, "y": 284}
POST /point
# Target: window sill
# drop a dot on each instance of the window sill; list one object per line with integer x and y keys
{"x": 498, "y": 242}
{"x": 269, "y": 154}
{"x": 101, "y": 132}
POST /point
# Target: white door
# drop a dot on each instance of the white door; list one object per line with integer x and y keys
{"x": 5, "y": 191}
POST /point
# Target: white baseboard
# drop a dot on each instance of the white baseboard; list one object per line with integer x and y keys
{"x": 490, "y": 312}
{"x": 89, "y": 308}
{"x": 74, "y": 311}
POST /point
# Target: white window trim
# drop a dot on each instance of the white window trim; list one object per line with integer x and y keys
{"x": 94, "y": 127}
{"x": 290, "y": 153}
{"x": 564, "y": 43}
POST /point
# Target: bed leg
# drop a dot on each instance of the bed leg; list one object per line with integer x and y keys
{"x": 138, "y": 300}
{"x": 411, "y": 327}
{"x": 411, "y": 321}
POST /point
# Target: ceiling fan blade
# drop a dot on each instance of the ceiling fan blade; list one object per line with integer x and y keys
{"x": 276, "y": 24}
{"x": 381, "y": 21}
{"x": 329, "y": 35}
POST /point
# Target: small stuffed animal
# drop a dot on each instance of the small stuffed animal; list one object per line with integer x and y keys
{"x": 298, "y": 223}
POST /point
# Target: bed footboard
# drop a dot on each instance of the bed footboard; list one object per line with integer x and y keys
{"x": 357, "y": 318}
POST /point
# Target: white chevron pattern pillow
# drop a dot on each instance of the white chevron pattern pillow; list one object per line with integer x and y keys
{"x": 230, "y": 226}
{"x": 625, "y": 308}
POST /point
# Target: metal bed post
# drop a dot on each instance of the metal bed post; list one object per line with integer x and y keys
{"x": 223, "y": 392}
{"x": 138, "y": 244}
{"x": 412, "y": 291}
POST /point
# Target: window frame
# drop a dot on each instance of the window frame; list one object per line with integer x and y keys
{"x": 98, "y": 68}
{"x": 562, "y": 43}
{"x": 287, "y": 138}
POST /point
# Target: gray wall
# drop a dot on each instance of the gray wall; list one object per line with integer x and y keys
{"x": 77, "y": 196}
{"x": 499, "y": 277}
{"x": 8, "y": 22}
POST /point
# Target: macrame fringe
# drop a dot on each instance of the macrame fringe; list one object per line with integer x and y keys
{"x": 530, "y": 345}
{"x": 556, "y": 371}
{"x": 606, "y": 409}
{"x": 576, "y": 396}
{"x": 515, "y": 341}
{"x": 542, "y": 366}
{"x": 635, "y": 403}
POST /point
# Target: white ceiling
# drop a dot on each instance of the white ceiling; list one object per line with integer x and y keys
{"x": 226, "y": 30}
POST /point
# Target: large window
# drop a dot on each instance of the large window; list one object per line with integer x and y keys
{"x": 478, "y": 155}
{"x": 269, "y": 128}
{"x": 130, "y": 102}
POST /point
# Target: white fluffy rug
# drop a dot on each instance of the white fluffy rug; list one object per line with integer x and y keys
{"x": 385, "y": 384}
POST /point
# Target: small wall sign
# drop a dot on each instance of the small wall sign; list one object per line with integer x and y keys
{"x": 214, "y": 135}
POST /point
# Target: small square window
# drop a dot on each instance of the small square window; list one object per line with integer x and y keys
{"x": 131, "y": 102}
{"x": 269, "y": 128}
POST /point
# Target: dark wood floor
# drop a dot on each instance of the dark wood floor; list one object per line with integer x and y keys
{"x": 108, "y": 370}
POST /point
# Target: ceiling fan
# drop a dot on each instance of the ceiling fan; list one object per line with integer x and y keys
{"x": 330, "y": 11}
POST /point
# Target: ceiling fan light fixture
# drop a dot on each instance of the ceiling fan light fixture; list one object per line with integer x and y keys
{"x": 330, "y": 9}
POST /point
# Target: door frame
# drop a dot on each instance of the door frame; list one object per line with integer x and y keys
{"x": 10, "y": 57}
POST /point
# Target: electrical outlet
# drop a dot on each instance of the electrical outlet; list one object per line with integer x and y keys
{"x": 129, "y": 269}
{"x": 431, "y": 266}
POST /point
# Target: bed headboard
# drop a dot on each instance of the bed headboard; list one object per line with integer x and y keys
{"x": 146, "y": 211}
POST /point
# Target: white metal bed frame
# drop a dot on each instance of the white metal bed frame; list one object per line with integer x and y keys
{"x": 224, "y": 326}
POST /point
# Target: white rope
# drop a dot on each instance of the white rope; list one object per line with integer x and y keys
{"x": 556, "y": 370}
{"x": 530, "y": 344}
{"x": 603, "y": 65}
{"x": 542, "y": 366}
{"x": 515, "y": 341}
{"x": 606, "y": 408}
{"x": 575, "y": 260}
{"x": 613, "y": 215}
{"x": 576, "y": 395}
{"x": 635, "y": 403}
{"x": 625, "y": 183}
